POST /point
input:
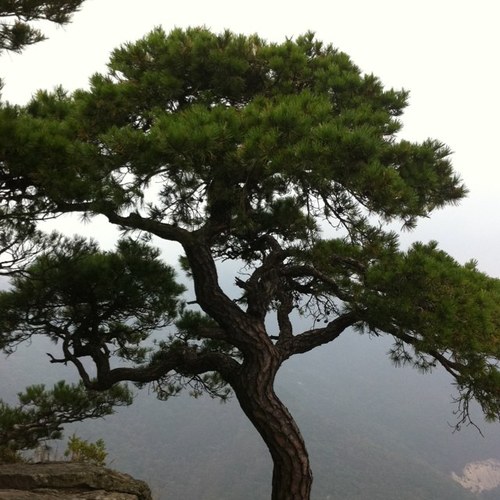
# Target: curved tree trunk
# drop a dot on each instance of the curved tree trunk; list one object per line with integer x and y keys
{"x": 253, "y": 381}
{"x": 292, "y": 477}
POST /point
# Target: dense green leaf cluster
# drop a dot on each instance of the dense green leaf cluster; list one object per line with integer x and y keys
{"x": 92, "y": 301}
{"x": 42, "y": 413}
{"x": 80, "y": 450}
{"x": 436, "y": 308}
{"x": 231, "y": 127}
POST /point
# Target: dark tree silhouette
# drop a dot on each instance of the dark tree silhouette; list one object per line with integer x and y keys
{"x": 19, "y": 240}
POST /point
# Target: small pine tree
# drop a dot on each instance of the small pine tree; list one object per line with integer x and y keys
{"x": 41, "y": 414}
{"x": 80, "y": 450}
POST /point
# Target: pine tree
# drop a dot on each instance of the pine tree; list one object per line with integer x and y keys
{"x": 284, "y": 159}
{"x": 41, "y": 414}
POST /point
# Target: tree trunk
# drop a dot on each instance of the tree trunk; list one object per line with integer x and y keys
{"x": 292, "y": 477}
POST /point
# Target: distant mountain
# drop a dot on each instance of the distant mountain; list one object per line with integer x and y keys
{"x": 373, "y": 431}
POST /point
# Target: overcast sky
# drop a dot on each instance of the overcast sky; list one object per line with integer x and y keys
{"x": 445, "y": 52}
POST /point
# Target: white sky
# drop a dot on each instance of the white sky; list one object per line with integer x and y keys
{"x": 444, "y": 51}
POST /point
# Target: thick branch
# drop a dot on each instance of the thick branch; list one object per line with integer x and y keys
{"x": 244, "y": 331}
{"x": 209, "y": 295}
{"x": 307, "y": 341}
{"x": 215, "y": 303}
{"x": 186, "y": 361}
{"x": 306, "y": 271}
{"x": 450, "y": 366}
{"x": 284, "y": 309}
{"x": 262, "y": 286}
{"x": 135, "y": 221}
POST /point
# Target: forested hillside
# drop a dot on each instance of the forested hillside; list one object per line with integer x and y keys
{"x": 374, "y": 431}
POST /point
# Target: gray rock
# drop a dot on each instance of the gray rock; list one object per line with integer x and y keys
{"x": 68, "y": 480}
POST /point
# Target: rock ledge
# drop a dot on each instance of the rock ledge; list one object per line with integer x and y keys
{"x": 68, "y": 480}
{"x": 480, "y": 476}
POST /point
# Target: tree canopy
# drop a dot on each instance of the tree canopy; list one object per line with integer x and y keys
{"x": 92, "y": 302}
{"x": 284, "y": 158}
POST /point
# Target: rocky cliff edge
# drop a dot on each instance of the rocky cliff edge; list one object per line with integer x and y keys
{"x": 68, "y": 480}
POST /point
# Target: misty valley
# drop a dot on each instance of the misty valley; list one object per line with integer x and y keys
{"x": 373, "y": 430}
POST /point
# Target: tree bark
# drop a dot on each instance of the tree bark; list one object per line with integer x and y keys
{"x": 253, "y": 381}
{"x": 254, "y": 388}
